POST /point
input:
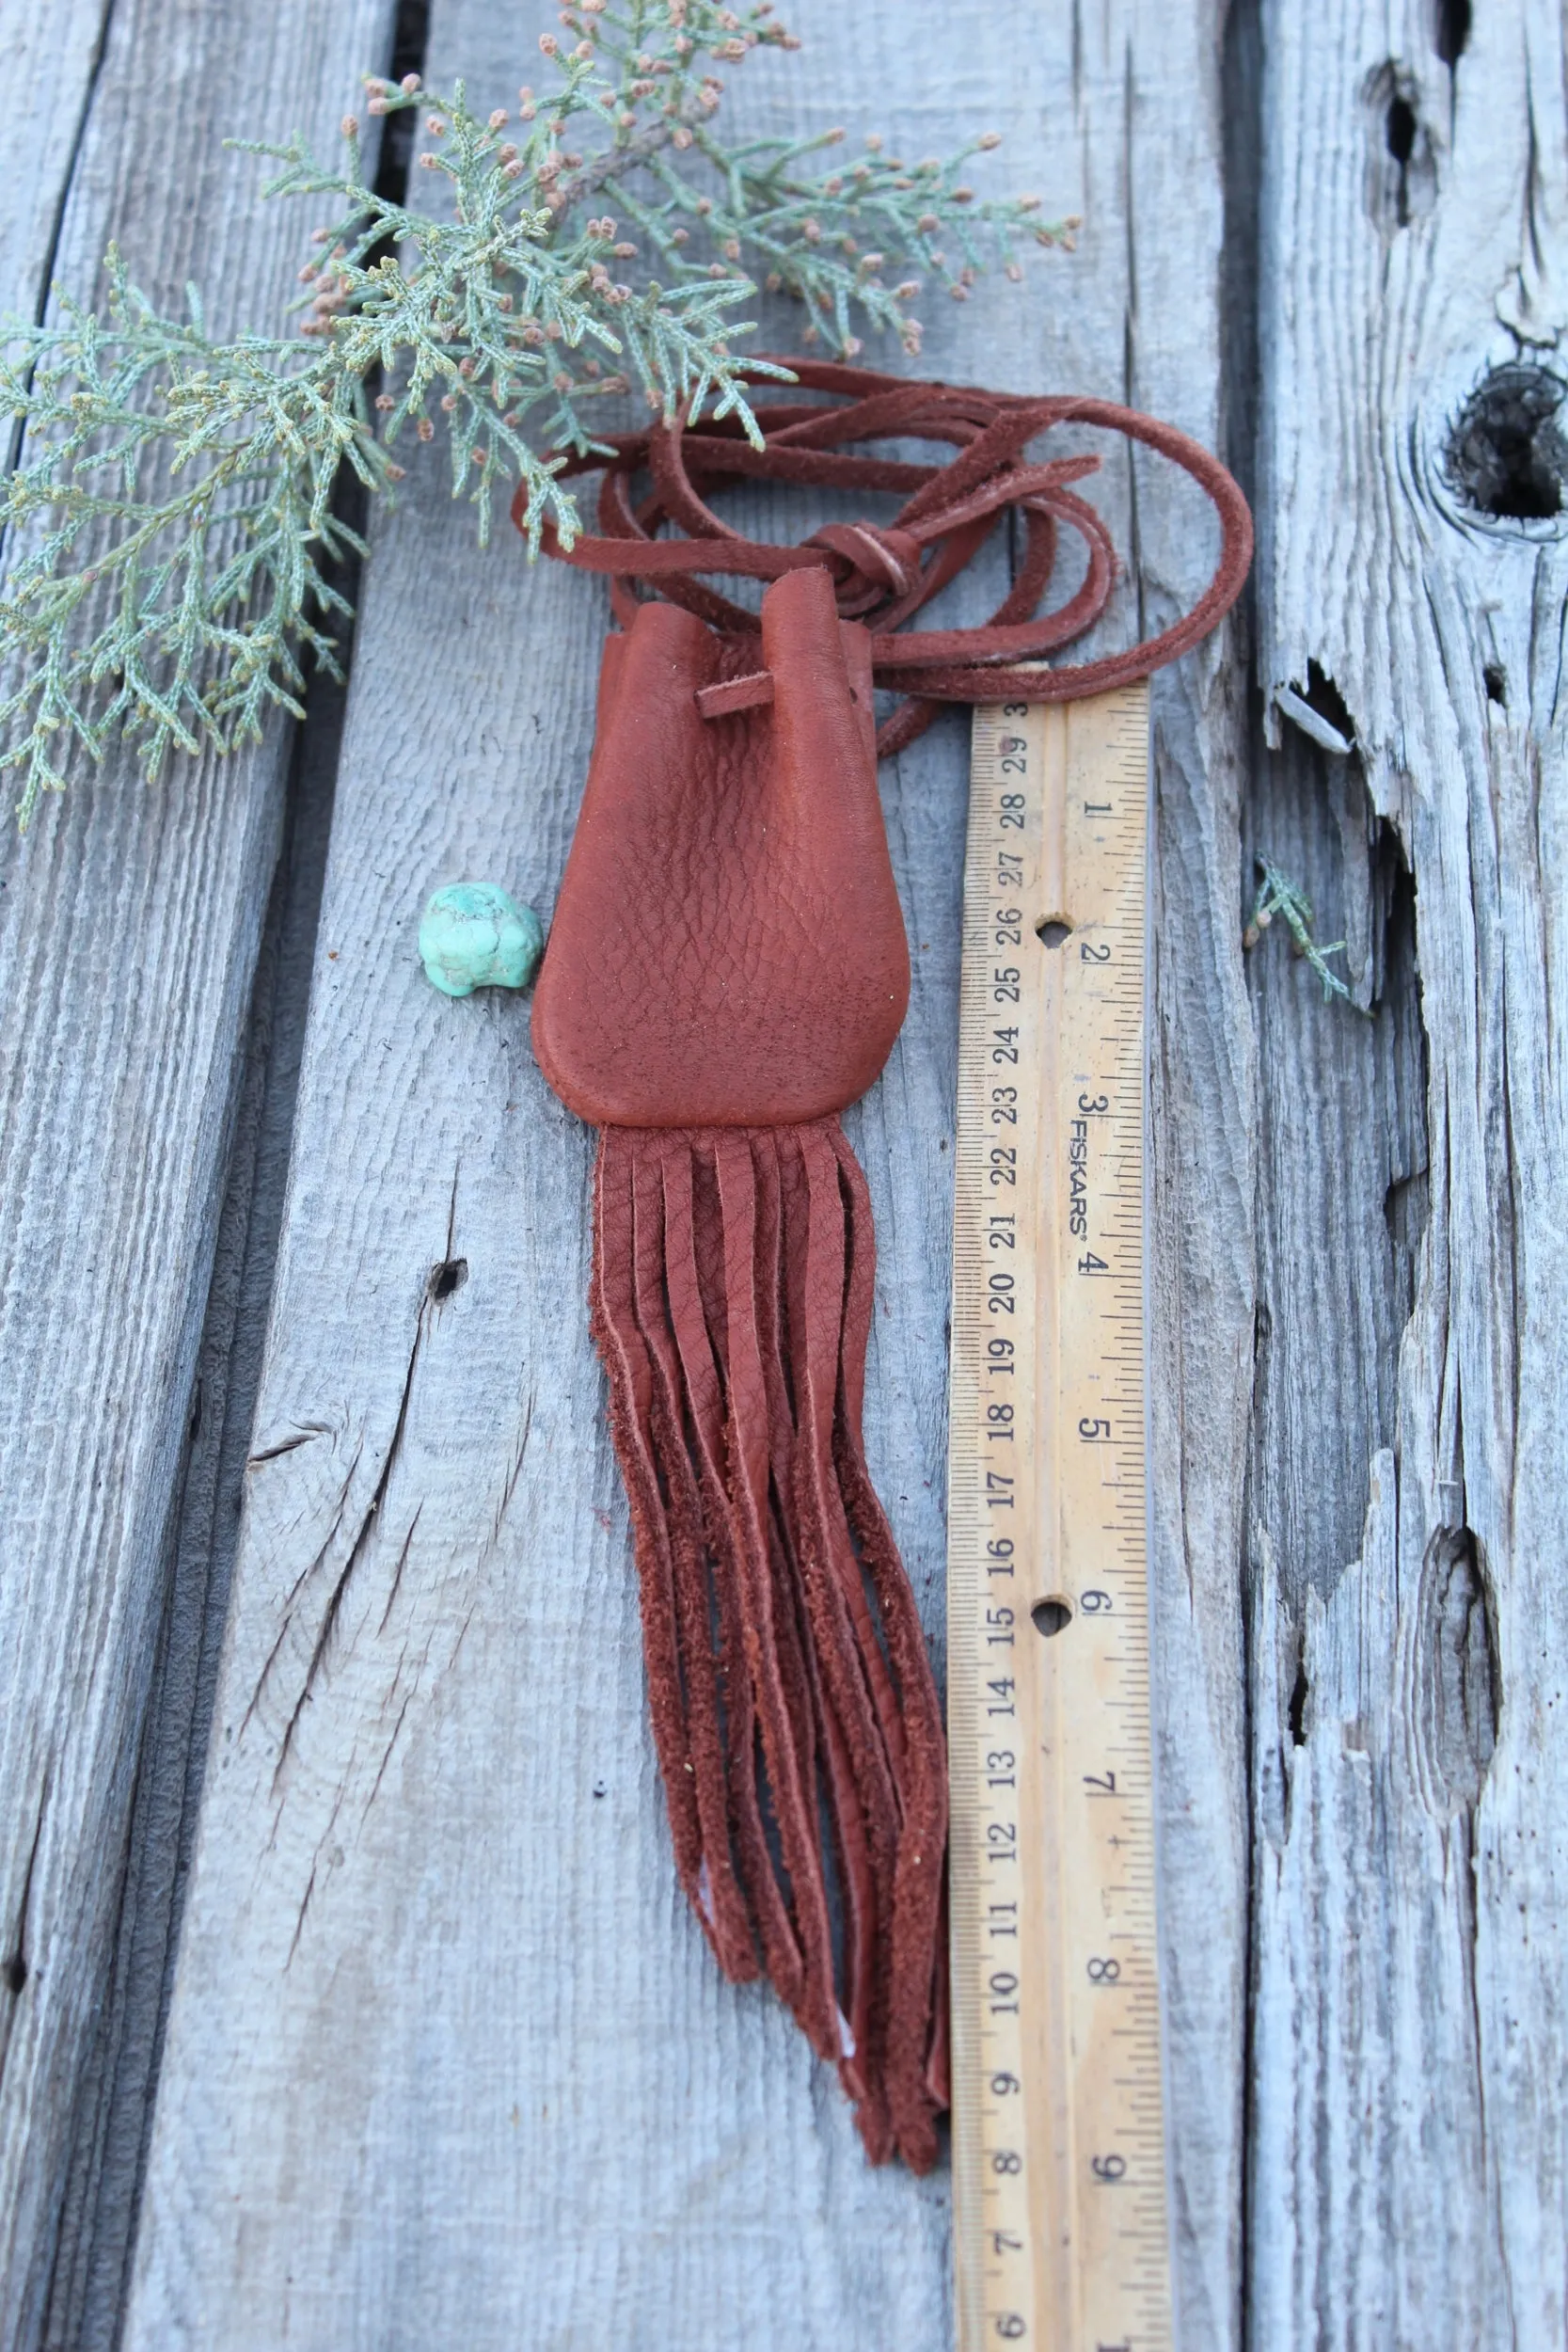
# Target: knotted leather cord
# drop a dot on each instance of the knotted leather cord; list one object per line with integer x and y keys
{"x": 883, "y": 574}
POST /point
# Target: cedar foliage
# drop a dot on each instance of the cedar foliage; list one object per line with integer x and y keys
{"x": 173, "y": 549}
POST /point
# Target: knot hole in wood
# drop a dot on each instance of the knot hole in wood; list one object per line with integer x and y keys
{"x": 1506, "y": 455}
{"x": 448, "y": 1276}
{"x": 1401, "y": 162}
{"x": 1451, "y": 31}
{"x": 1458, "y": 1681}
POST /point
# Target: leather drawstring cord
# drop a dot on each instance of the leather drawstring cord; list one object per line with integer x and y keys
{"x": 884, "y": 574}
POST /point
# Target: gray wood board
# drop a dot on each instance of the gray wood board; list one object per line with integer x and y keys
{"x": 128, "y": 922}
{"x": 447, "y": 2059}
{"x": 51, "y": 62}
{"x": 1410, "y": 2123}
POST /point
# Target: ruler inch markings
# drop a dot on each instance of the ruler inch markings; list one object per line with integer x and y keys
{"x": 1058, "y": 2139}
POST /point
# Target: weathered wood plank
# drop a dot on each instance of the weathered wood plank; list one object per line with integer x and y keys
{"x": 51, "y": 59}
{"x": 1411, "y": 2130}
{"x": 128, "y": 931}
{"x": 447, "y": 2059}
{"x": 114, "y": 2109}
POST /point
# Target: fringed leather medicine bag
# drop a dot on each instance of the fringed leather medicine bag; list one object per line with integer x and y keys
{"x": 726, "y": 970}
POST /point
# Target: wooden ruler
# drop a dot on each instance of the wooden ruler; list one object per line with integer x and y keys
{"x": 1058, "y": 2128}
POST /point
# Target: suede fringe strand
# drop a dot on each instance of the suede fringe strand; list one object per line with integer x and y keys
{"x": 793, "y": 1705}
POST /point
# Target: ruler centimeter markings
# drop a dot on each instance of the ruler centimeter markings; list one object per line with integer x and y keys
{"x": 1058, "y": 2123}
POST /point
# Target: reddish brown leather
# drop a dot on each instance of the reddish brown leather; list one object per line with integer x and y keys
{"x": 885, "y": 573}
{"x": 788, "y": 1684}
{"x": 727, "y": 949}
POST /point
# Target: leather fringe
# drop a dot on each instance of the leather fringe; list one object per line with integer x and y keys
{"x": 795, "y": 1718}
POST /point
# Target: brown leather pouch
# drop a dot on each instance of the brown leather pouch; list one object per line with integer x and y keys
{"x": 727, "y": 969}
{"x": 727, "y": 948}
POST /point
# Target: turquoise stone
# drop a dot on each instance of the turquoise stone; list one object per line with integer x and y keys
{"x": 474, "y": 935}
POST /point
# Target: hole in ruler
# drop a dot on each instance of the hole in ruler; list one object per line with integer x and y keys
{"x": 1052, "y": 930}
{"x": 1052, "y": 1615}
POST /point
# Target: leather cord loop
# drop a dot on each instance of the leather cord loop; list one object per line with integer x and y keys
{"x": 885, "y": 573}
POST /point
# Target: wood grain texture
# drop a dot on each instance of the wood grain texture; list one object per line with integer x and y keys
{"x": 1410, "y": 2124}
{"x": 447, "y": 2059}
{"x": 52, "y": 57}
{"x": 129, "y": 923}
